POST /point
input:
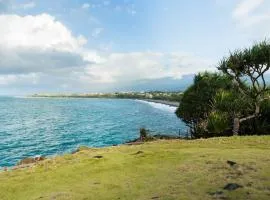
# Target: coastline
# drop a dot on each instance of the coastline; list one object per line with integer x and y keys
{"x": 168, "y": 107}
{"x": 164, "y": 102}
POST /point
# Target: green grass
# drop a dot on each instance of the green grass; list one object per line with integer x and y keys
{"x": 162, "y": 170}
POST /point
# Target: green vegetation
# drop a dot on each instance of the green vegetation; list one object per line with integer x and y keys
{"x": 234, "y": 101}
{"x": 155, "y": 95}
{"x": 174, "y": 169}
{"x": 195, "y": 105}
{"x": 249, "y": 64}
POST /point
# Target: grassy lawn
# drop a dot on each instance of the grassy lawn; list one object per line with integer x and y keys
{"x": 173, "y": 169}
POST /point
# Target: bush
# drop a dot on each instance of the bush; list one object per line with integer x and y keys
{"x": 143, "y": 134}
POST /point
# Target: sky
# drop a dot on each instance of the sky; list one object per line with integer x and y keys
{"x": 82, "y": 46}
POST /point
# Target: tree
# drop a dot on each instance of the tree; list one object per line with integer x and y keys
{"x": 195, "y": 104}
{"x": 227, "y": 104}
{"x": 247, "y": 68}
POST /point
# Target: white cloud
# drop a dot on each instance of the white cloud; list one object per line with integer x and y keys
{"x": 39, "y": 51}
{"x": 39, "y": 44}
{"x": 251, "y": 18}
{"x": 113, "y": 71}
{"x": 245, "y": 7}
{"x": 130, "y": 67}
{"x": 250, "y": 13}
{"x": 40, "y": 31}
{"x": 10, "y": 79}
{"x": 5, "y": 80}
{"x": 85, "y": 6}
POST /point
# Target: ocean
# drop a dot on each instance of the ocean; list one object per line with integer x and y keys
{"x": 53, "y": 126}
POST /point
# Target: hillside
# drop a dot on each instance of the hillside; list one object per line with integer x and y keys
{"x": 175, "y": 169}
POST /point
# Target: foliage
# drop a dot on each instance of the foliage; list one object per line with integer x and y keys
{"x": 143, "y": 133}
{"x": 249, "y": 64}
{"x": 234, "y": 101}
{"x": 195, "y": 104}
{"x": 217, "y": 122}
{"x": 263, "y": 122}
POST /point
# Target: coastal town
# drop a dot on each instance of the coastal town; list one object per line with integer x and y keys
{"x": 151, "y": 95}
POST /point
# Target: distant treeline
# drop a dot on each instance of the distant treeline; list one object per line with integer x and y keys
{"x": 155, "y": 95}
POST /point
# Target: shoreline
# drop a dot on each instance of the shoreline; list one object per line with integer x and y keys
{"x": 33, "y": 160}
{"x": 164, "y": 102}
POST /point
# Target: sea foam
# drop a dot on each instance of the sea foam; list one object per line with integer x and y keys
{"x": 160, "y": 106}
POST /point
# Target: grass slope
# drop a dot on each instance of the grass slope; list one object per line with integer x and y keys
{"x": 174, "y": 169}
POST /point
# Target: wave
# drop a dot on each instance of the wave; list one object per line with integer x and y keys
{"x": 159, "y": 106}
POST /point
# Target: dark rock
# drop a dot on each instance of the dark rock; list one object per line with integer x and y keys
{"x": 98, "y": 157}
{"x": 232, "y": 186}
{"x": 155, "y": 198}
{"x": 231, "y": 163}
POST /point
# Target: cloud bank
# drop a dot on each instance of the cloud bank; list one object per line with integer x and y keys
{"x": 40, "y": 51}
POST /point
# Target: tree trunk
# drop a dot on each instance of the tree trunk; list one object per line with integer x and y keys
{"x": 257, "y": 109}
{"x": 236, "y": 125}
{"x": 237, "y": 121}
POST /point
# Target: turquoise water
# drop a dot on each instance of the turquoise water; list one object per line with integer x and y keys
{"x": 47, "y": 126}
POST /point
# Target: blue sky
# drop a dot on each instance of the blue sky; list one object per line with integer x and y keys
{"x": 110, "y": 45}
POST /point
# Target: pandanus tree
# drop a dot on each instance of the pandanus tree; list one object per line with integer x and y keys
{"x": 225, "y": 106}
{"x": 195, "y": 104}
{"x": 247, "y": 67}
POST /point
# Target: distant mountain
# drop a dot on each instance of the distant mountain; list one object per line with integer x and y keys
{"x": 163, "y": 84}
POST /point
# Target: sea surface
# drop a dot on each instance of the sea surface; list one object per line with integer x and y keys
{"x": 52, "y": 126}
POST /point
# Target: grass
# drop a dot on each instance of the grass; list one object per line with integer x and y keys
{"x": 173, "y": 169}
